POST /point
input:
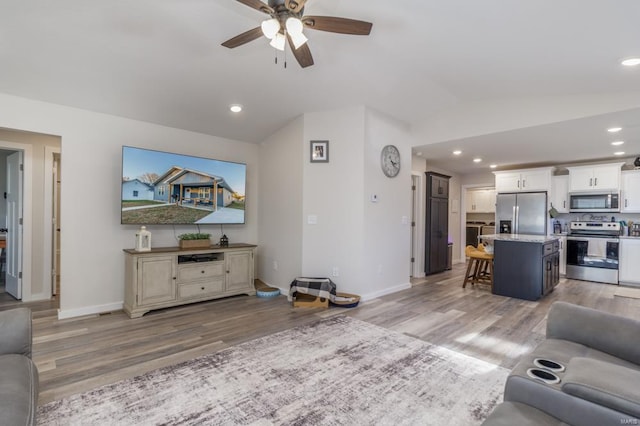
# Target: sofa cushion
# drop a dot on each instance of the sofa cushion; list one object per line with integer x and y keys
{"x": 605, "y": 332}
{"x": 605, "y": 384}
{"x": 550, "y": 398}
{"x": 18, "y": 390}
{"x": 514, "y": 413}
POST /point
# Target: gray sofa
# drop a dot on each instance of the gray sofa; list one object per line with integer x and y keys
{"x": 18, "y": 373}
{"x": 598, "y": 376}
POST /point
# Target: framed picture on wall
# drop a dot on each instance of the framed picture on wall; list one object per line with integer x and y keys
{"x": 319, "y": 151}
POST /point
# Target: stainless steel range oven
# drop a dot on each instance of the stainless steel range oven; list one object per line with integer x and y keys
{"x": 592, "y": 251}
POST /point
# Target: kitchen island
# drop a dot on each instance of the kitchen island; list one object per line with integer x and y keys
{"x": 524, "y": 266}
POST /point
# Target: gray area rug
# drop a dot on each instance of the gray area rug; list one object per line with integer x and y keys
{"x": 338, "y": 371}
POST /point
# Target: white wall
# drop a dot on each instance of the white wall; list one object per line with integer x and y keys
{"x": 333, "y": 193}
{"x": 280, "y": 206}
{"x": 92, "y": 238}
{"x": 367, "y": 242}
{"x": 387, "y": 238}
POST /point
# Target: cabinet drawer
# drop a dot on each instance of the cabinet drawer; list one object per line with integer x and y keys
{"x": 550, "y": 248}
{"x": 199, "y": 271}
{"x": 205, "y": 288}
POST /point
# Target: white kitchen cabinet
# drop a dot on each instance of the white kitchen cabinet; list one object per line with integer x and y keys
{"x": 560, "y": 193}
{"x": 481, "y": 201}
{"x": 629, "y": 267}
{"x": 630, "y": 192}
{"x": 524, "y": 180}
{"x": 601, "y": 177}
{"x": 563, "y": 255}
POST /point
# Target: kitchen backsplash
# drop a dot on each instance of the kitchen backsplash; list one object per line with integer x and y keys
{"x": 565, "y": 218}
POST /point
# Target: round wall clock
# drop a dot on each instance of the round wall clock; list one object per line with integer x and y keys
{"x": 390, "y": 161}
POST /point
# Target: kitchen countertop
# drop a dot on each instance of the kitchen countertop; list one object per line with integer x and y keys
{"x": 527, "y": 238}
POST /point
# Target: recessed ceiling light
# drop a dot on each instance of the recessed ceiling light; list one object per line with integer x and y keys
{"x": 419, "y": 154}
{"x": 235, "y": 108}
{"x": 616, "y": 143}
{"x": 477, "y": 160}
{"x": 493, "y": 166}
{"x": 619, "y": 153}
{"x": 457, "y": 152}
{"x": 631, "y": 62}
{"x": 614, "y": 129}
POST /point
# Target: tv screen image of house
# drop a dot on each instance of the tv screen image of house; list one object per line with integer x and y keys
{"x": 165, "y": 188}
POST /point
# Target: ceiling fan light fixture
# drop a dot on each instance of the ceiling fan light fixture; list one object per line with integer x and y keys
{"x": 294, "y": 25}
{"x": 270, "y": 28}
{"x": 278, "y": 42}
{"x": 298, "y": 39}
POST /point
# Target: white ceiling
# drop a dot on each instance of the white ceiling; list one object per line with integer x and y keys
{"x": 161, "y": 61}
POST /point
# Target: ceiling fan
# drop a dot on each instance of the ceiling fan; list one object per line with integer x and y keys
{"x": 286, "y": 24}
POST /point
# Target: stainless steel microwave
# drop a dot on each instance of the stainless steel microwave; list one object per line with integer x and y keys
{"x": 594, "y": 202}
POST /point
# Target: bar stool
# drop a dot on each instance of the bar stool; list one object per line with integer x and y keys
{"x": 482, "y": 264}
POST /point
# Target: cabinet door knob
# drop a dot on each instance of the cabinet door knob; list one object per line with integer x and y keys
{"x": 174, "y": 278}
{"x": 227, "y": 272}
{"x": 201, "y": 288}
{"x": 202, "y": 272}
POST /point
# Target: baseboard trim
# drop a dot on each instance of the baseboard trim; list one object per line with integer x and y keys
{"x": 89, "y": 310}
{"x": 363, "y": 298}
{"x": 384, "y": 292}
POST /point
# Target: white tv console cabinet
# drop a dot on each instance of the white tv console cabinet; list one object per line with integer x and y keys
{"x": 169, "y": 276}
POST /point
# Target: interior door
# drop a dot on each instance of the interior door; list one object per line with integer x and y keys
{"x": 14, "y": 225}
{"x": 55, "y": 223}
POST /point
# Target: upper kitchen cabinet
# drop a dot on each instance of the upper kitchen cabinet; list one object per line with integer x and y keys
{"x": 524, "y": 180}
{"x": 560, "y": 193}
{"x": 630, "y": 192}
{"x": 481, "y": 201}
{"x": 601, "y": 177}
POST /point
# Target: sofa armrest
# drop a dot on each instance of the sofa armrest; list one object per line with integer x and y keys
{"x": 599, "y": 330}
{"x": 15, "y": 332}
{"x": 604, "y": 383}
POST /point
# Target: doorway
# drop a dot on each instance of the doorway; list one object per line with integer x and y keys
{"x": 12, "y": 221}
{"x": 33, "y": 271}
{"x": 417, "y": 225}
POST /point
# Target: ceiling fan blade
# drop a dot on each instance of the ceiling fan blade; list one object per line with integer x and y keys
{"x": 258, "y": 5}
{"x": 243, "y": 38}
{"x": 337, "y": 25}
{"x": 302, "y": 53}
{"x": 295, "y": 5}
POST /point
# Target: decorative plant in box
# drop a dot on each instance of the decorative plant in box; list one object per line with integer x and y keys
{"x": 194, "y": 240}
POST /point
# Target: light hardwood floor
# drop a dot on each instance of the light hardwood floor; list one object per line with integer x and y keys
{"x": 79, "y": 354}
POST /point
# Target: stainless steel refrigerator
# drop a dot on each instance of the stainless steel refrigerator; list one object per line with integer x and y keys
{"x": 522, "y": 213}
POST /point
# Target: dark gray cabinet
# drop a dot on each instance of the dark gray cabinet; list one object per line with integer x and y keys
{"x": 525, "y": 270}
{"x": 437, "y": 223}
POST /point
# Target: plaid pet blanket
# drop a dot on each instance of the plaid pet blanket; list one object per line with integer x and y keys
{"x": 319, "y": 287}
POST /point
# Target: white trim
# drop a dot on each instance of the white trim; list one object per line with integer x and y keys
{"x": 89, "y": 310}
{"x": 48, "y": 220}
{"x": 418, "y": 249}
{"x": 363, "y": 298}
{"x": 384, "y": 292}
{"x": 27, "y": 217}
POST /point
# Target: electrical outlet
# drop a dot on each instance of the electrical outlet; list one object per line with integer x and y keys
{"x": 275, "y": 265}
{"x": 335, "y": 271}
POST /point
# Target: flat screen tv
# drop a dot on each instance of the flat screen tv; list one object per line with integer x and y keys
{"x": 163, "y": 188}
